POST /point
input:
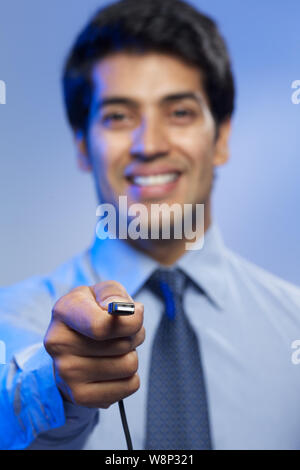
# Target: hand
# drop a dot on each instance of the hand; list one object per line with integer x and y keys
{"x": 94, "y": 353}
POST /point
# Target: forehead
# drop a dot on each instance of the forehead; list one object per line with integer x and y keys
{"x": 144, "y": 77}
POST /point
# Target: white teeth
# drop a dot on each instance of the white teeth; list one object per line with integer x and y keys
{"x": 154, "y": 179}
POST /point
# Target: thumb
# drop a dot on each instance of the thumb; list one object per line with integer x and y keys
{"x": 110, "y": 291}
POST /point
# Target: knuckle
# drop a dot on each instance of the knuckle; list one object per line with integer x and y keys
{"x": 134, "y": 384}
{"x": 79, "y": 289}
{"x": 131, "y": 362}
{"x": 51, "y": 343}
{"x": 67, "y": 368}
{"x": 79, "y": 396}
{"x": 54, "y": 344}
{"x": 48, "y": 344}
{"x": 52, "y": 347}
{"x": 143, "y": 334}
{"x": 78, "y": 294}
{"x": 58, "y": 309}
{"x": 63, "y": 304}
{"x": 56, "y": 341}
{"x": 141, "y": 337}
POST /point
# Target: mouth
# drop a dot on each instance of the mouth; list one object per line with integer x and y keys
{"x": 153, "y": 180}
{"x": 153, "y": 184}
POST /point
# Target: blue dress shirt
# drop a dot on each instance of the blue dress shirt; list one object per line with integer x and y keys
{"x": 245, "y": 319}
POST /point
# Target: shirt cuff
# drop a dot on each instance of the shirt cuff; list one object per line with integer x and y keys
{"x": 30, "y": 402}
{"x": 34, "y": 414}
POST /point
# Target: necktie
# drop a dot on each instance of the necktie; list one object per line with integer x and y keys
{"x": 177, "y": 414}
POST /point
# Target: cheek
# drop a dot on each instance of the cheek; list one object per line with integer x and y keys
{"x": 196, "y": 144}
{"x": 105, "y": 151}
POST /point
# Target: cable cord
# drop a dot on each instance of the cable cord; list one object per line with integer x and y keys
{"x": 125, "y": 425}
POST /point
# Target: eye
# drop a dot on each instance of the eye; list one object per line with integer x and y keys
{"x": 117, "y": 117}
{"x": 182, "y": 113}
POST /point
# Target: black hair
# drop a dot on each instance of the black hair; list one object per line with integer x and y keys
{"x": 139, "y": 26}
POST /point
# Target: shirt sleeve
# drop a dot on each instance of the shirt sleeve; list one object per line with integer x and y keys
{"x": 33, "y": 413}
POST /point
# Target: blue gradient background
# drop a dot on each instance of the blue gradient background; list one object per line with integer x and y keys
{"x": 48, "y": 206}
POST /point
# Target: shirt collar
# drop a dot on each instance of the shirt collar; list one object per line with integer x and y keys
{"x": 207, "y": 266}
{"x": 115, "y": 259}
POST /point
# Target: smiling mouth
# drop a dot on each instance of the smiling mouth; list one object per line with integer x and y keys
{"x": 154, "y": 180}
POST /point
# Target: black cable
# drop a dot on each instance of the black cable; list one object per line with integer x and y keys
{"x": 124, "y": 309}
{"x": 125, "y": 425}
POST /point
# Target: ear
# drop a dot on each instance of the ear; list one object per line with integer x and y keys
{"x": 221, "y": 154}
{"x": 83, "y": 159}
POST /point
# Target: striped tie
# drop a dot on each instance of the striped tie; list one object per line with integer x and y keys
{"x": 177, "y": 413}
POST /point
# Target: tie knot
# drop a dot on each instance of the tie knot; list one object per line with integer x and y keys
{"x": 169, "y": 285}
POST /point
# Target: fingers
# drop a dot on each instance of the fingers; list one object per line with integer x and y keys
{"x": 64, "y": 340}
{"x": 81, "y": 310}
{"x": 94, "y": 353}
{"x": 73, "y": 369}
{"x": 102, "y": 395}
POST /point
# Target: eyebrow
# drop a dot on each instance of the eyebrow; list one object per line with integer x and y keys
{"x": 195, "y": 96}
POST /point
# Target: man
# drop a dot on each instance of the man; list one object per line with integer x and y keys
{"x": 203, "y": 365}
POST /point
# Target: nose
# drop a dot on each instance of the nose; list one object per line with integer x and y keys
{"x": 149, "y": 140}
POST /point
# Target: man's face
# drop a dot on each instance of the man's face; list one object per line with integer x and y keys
{"x": 151, "y": 135}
